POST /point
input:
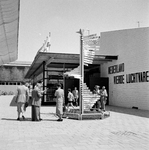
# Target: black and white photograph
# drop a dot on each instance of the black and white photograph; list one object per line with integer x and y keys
{"x": 74, "y": 74}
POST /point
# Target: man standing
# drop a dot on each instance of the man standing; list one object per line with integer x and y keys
{"x": 37, "y": 94}
{"x": 76, "y": 96}
{"x": 104, "y": 96}
{"x": 59, "y": 94}
{"x": 22, "y": 97}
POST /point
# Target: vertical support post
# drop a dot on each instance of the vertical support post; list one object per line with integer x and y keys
{"x": 44, "y": 96}
{"x": 64, "y": 83}
{"x": 81, "y": 71}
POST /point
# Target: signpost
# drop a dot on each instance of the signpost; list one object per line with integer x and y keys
{"x": 88, "y": 45}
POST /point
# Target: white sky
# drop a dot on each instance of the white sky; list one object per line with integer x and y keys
{"x": 63, "y": 18}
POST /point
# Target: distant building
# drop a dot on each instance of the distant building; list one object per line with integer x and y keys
{"x": 11, "y": 75}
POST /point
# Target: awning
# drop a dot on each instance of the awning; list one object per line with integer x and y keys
{"x": 56, "y": 62}
{"x": 74, "y": 73}
{"x": 62, "y": 62}
{"x": 9, "y": 30}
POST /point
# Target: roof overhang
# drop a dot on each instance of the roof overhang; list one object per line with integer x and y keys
{"x": 9, "y": 30}
{"x": 60, "y": 62}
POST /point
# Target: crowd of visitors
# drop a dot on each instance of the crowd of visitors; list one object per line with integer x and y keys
{"x": 25, "y": 95}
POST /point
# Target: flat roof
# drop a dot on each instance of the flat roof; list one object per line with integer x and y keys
{"x": 19, "y": 63}
{"x": 60, "y": 61}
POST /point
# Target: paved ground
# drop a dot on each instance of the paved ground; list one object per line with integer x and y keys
{"x": 125, "y": 129}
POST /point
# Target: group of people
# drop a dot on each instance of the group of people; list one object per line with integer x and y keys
{"x": 101, "y": 101}
{"x": 22, "y": 99}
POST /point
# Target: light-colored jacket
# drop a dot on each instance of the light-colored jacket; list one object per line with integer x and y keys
{"x": 22, "y": 94}
{"x": 59, "y": 93}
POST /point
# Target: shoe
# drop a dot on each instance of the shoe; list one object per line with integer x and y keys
{"x": 60, "y": 120}
{"x": 18, "y": 118}
{"x": 40, "y": 119}
{"x": 23, "y": 117}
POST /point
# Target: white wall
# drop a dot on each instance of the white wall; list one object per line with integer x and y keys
{"x": 132, "y": 48}
{"x": 8, "y": 88}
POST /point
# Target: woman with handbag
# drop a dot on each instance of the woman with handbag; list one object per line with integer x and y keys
{"x": 22, "y": 97}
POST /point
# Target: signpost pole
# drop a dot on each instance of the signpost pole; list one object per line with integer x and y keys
{"x": 81, "y": 71}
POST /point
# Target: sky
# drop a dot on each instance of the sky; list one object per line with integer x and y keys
{"x": 63, "y": 18}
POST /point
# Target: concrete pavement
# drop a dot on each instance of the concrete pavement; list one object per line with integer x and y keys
{"x": 125, "y": 129}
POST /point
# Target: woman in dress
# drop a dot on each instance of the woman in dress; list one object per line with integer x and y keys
{"x": 22, "y": 97}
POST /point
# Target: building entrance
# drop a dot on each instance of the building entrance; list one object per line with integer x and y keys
{"x": 70, "y": 83}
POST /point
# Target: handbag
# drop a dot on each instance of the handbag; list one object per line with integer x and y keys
{"x": 26, "y": 104}
{"x": 64, "y": 108}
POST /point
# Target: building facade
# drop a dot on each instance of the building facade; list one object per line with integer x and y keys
{"x": 11, "y": 75}
{"x": 129, "y": 74}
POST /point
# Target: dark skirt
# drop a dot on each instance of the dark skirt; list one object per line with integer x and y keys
{"x": 35, "y": 113}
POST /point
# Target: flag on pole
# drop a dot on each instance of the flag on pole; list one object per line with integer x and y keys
{"x": 46, "y": 45}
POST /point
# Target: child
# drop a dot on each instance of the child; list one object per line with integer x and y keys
{"x": 70, "y": 99}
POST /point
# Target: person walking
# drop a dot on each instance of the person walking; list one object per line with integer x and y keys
{"x": 70, "y": 99}
{"x": 22, "y": 97}
{"x": 59, "y": 94}
{"x": 37, "y": 94}
{"x": 75, "y": 93}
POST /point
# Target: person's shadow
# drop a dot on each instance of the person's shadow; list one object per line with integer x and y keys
{"x": 10, "y": 119}
{"x": 13, "y": 103}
